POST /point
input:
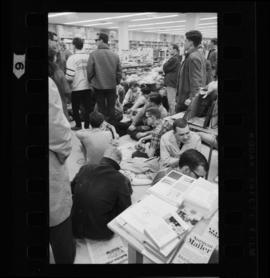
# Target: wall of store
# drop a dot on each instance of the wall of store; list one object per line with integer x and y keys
{"x": 64, "y": 31}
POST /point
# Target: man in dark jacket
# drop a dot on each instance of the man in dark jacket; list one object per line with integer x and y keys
{"x": 212, "y": 56}
{"x": 104, "y": 73}
{"x": 192, "y": 74}
{"x": 100, "y": 193}
{"x": 170, "y": 69}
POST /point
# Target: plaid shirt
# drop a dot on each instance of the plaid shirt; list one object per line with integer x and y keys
{"x": 162, "y": 128}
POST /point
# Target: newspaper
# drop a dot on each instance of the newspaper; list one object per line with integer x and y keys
{"x": 203, "y": 196}
{"x": 194, "y": 250}
{"x": 211, "y": 233}
{"x": 190, "y": 216}
{"x": 112, "y": 251}
{"x": 173, "y": 187}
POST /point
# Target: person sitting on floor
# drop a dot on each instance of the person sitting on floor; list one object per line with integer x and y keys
{"x": 175, "y": 142}
{"x": 191, "y": 163}
{"x": 140, "y": 101}
{"x": 160, "y": 127}
{"x": 138, "y": 128}
{"x": 96, "y": 140}
{"x": 100, "y": 193}
{"x": 132, "y": 95}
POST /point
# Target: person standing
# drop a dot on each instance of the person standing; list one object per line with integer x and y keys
{"x": 170, "y": 69}
{"x": 61, "y": 238}
{"x": 82, "y": 94}
{"x": 212, "y": 56}
{"x": 192, "y": 74}
{"x": 104, "y": 73}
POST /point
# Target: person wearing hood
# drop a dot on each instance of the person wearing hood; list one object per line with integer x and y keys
{"x": 104, "y": 73}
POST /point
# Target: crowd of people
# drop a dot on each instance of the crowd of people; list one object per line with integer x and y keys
{"x": 99, "y": 95}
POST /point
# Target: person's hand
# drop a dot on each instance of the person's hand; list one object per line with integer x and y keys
{"x": 132, "y": 127}
{"x": 187, "y": 102}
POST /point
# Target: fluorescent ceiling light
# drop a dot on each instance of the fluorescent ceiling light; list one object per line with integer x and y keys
{"x": 159, "y": 27}
{"x": 113, "y": 27}
{"x": 96, "y": 24}
{"x": 107, "y": 18}
{"x": 155, "y": 17}
{"x": 209, "y": 23}
{"x": 156, "y": 23}
{"x": 208, "y": 18}
{"x": 58, "y": 14}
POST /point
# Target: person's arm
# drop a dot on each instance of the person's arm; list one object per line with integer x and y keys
{"x": 118, "y": 71}
{"x": 90, "y": 68}
{"x": 140, "y": 101}
{"x": 70, "y": 69}
{"x": 59, "y": 127}
{"x": 170, "y": 65}
{"x": 127, "y": 97}
{"x": 165, "y": 156}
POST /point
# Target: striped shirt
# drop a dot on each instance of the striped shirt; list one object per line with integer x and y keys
{"x": 76, "y": 71}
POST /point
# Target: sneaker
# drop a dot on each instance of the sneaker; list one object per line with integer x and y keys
{"x": 76, "y": 128}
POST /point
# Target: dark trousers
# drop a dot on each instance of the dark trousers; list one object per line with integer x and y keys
{"x": 87, "y": 100}
{"x": 106, "y": 103}
{"x": 62, "y": 242}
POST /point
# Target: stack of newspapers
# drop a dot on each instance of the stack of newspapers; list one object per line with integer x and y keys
{"x": 164, "y": 219}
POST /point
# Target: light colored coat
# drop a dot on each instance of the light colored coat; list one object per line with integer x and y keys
{"x": 59, "y": 150}
{"x": 169, "y": 149}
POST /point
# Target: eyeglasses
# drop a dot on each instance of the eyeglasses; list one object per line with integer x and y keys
{"x": 196, "y": 175}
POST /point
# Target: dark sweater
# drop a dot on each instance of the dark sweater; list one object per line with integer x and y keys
{"x": 100, "y": 194}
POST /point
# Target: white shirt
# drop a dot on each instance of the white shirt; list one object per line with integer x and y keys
{"x": 76, "y": 71}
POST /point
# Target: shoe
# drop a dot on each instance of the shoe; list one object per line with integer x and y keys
{"x": 76, "y": 128}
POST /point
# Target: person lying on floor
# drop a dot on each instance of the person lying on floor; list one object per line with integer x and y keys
{"x": 100, "y": 193}
{"x": 191, "y": 163}
{"x": 160, "y": 127}
{"x": 176, "y": 141}
{"x": 97, "y": 139}
{"x": 139, "y": 128}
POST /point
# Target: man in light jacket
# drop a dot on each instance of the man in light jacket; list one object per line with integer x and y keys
{"x": 61, "y": 239}
{"x": 175, "y": 142}
{"x": 192, "y": 74}
{"x": 104, "y": 74}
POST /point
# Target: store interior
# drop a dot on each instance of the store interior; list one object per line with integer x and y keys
{"x": 142, "y": 41}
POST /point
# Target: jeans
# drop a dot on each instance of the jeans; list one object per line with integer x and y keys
{"x": 87, "y": 100}
{"x": 106, "y": 103}
{"x": 62, "y": 242}
{"x": 171, "y": 94}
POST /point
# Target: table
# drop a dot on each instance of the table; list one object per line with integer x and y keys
{"x": 135, "y": 247}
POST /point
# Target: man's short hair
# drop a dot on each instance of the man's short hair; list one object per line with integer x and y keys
{"x": 51, "y": 35}
{"x": 194, "y": 36}
{"x": 193, "y": 159}
{"x": 181, "y": 123}
{"x": 78, "y": 43}
{"x": 155, "y": 98}
{"x": 175, "y": 46}
{"x": 96, "y": 119}
{"x": 214, "y": 41}
{"x": 104, "y": 37}
{"x": 154, "y": 111}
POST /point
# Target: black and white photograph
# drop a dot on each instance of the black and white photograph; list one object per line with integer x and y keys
{"x": 133, "y": 102}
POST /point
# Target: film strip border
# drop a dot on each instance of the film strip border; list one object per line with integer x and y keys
{"x": 237, "y": 146}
